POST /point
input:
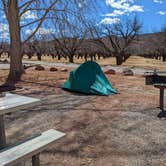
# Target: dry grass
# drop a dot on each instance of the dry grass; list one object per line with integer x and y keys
{"x": 118, "y": 130}
{"x": 133, "y": 61}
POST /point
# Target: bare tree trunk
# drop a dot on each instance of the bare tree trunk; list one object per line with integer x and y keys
{"x": 59, "y": 57}
{"x": 39, "y": 55}
{"x": 16, "y": 66}
{"x": 71, "y": 59}
{"x": 119, "y": 60}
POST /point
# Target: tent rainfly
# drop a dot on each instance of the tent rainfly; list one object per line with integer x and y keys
{"x": 89, "y": 78}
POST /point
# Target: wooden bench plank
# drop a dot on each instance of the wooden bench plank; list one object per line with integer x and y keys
{"x": 160, "y": 85}
{"x": 29, "y": 148}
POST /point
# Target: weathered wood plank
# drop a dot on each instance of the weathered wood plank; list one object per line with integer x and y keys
{"x": 35, "y": 160}
{"x": 13, "y": 102}
{"x": 29, "y": 148}
{"x": 161, "y": 99}
{"x": 2, "y": 133}
{"x": 160, "y": 86}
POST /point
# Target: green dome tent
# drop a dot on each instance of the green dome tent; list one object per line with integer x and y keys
{"x": 89, "y": 78}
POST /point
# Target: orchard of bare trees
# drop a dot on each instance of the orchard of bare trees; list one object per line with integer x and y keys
{"x": 14, "y": 11}
{"x": 71, "y": 34}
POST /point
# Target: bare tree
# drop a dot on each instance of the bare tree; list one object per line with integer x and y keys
{"x": 14, "y": 11}
{"x": 68, "y": 47}
{"x": 71, "y": 34}
{"x": 4, "y": 48}
{"x": 39, "y": 45}
{"x": 159, "y": 44}
{"x": 119, "y": 37}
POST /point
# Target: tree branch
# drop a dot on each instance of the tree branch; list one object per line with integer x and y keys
{"x": 41, "y": 21}
{"x": 5, "y": 7}
{"x": 30, "y": 23}
{"x": 26, "y": 4}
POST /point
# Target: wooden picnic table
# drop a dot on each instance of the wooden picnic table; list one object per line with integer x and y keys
{"x": 11, "y": 103}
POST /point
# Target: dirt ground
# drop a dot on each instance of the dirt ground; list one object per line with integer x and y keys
{"x": 133, "y": 61}
{"x": 118, "y": 130}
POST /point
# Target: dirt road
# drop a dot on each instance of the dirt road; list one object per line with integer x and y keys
{"x": 136, "y": 70}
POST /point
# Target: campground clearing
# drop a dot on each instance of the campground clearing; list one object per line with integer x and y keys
{"x": 118, "y": 130}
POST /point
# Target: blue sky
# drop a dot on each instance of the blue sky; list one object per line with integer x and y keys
{"x": 152, "y": 13}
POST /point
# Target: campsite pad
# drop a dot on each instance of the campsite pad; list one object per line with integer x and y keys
{"x": 89, "y": 78}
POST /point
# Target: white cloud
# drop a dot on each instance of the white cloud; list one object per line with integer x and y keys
{"x": 135, "y": 8}
{"x": 120, "y": 7}
{"x": 115, "y": 13}
{"x": 82, "y": 3}
{"x": 4, "y": 31}
{"x": 110, "y": 21}
{"x": 44, "y": 31}
{"x": 4, "y": 27}
{"x": 3, "y": 16}
{"x": 125, "y": 6}
{"x": 158, "y": 1}
{"x": 161, "y": 12}
{"x": 4, "y": 35}
{"x": 29, "y": 15}
{"x": 41, "y": 31}
{"x": 28, "y": 31}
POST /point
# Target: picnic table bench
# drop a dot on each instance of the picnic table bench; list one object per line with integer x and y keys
{"x": 30, "y": 148}
{"x": 9, "y": 104}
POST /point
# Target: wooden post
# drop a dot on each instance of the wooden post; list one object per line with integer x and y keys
{"x": 35, "y": 160}
{"x": 161, "y": 98}
{"x": 2, "y": 133}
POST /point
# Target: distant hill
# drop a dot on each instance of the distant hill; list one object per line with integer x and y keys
{"x": 147, "y": 43}
{"x": 144, "y": 44}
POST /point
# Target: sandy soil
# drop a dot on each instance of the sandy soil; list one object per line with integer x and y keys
{"x": 119, "y": 130}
